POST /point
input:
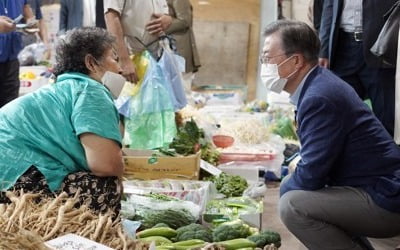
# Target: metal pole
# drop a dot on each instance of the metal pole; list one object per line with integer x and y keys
{"x": 268, "y": 14}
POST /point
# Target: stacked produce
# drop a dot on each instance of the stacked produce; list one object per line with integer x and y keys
{"x": 26, "y": 223}
{"x": 250, "y": 131}
{"x": 230, "y": 236}
{"x": 152, "y": 209}
{"x": 231, "y": 208}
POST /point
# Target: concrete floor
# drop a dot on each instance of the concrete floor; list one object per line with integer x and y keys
{"x": 270, "y": 220}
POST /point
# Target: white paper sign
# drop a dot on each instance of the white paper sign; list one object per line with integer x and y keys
{"x": 74, "y": 242}
{"x": 209, "y": 168}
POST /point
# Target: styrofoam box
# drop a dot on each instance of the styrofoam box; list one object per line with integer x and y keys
{"x": 250, "y": 173}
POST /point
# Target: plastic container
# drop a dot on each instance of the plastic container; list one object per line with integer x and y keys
{"x": 228, "y": 157}
{"x": 223, "y": 141}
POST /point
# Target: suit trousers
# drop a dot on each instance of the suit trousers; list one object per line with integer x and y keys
{"x": 377, "y": 84}
{"x": 9, "y": 81}
{"x": 336, "y": 218}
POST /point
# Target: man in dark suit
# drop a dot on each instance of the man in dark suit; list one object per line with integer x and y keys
{"x": 347, "y": 183}
{"x": 347, "y": 32}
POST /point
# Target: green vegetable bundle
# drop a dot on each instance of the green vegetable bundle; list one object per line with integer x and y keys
{"x": 173, "y": 218}
{"x": 194, "y": 231}
{"x": 266, "y": 238}
{"x": 229, "y": 185}
{"x": 187, "y": 140}
{"x": 231, "y": 230}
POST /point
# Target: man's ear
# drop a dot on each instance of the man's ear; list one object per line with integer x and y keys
{"x": 299, "y": 61}
{"x": 90, "y": 63}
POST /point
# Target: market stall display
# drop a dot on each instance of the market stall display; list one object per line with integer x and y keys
{"x": 27, "y": 224}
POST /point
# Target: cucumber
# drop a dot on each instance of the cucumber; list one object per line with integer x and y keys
{"x": 157, "y": 231}
{"x": 237, "y": 243}
{"x": 189, "y": 247}
{"x": 188, "y": 242}
{"x": 158, "y": 240}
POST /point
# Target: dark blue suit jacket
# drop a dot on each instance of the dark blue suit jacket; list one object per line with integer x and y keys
{"x": 373, "y": 21}
{"x": 343, "y": 143}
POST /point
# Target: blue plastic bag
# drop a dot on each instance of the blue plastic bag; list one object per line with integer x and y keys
{"x": 172, "y": 66}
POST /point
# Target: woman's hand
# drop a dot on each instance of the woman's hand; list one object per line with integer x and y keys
{"x": 104, "y": 156}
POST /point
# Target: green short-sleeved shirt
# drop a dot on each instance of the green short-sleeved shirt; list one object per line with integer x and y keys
{"x": 43, "y": 128}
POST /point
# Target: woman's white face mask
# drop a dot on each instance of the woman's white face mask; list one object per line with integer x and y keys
{"x": 270, "y": 76}
{"x": 114, "y": 82}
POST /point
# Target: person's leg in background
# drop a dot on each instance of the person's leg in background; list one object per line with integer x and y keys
{"x": 348, "y": 60}
{"x": 9, "y": 81}
{"x": 336, "y": 218}
{"x": 377, "y": 84}
{"x": 380, "y": 86}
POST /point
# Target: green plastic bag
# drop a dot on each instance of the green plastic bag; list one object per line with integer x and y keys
{"x": 152, "y": 118}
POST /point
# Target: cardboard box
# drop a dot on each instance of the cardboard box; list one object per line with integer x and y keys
{"x": 151, "y": 165}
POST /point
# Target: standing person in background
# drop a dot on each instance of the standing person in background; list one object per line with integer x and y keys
{"x": 6, "y": 24}
{"x": 11, "y": 45}
{"x": 127, "y": 20}
{"x": 29, "y": 38}
{"x": 348, "y": 30}
{"x": 81, "y": 13}
{"x": 181, "y": 29}
{"x": 315, "y": 13}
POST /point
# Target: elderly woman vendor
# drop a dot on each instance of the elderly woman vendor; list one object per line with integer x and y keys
{"x": 65, "y": 136}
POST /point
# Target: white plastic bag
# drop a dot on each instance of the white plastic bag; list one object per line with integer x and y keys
{"x": 32, "y": 54}
{"x": 144, "y": 202}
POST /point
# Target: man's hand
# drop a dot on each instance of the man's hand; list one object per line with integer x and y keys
{"x": 158, "y": 24}
{"x": 114, "y": 26}
{"x": 6, "y": 24}
{"x": 129, "y": 70}
{"x": 323, "y": 62}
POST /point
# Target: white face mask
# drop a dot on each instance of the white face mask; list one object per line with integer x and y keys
{"x": 270, "y": 77}
{"x": 114, "y": 82}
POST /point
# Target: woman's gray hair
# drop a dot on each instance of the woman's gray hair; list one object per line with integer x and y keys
{"x": 77, "y": 43}
{"x": 296, "y": 37}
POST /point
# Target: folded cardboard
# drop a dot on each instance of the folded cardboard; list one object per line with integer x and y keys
{"x": 152, "y": 165}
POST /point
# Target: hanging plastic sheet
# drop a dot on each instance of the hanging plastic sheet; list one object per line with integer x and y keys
{"x": 123, "y": 102}
{"x": 173, "y": 65}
